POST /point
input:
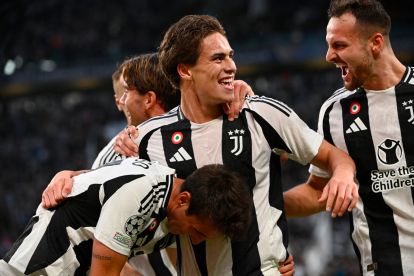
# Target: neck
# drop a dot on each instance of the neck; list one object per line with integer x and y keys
{"x": 156, "y": 110}
{"x": 387, "y": 72}
{"x": 197, "y": 110}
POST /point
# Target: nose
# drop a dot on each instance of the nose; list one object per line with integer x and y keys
{"x": 330, "y": 55}
{"x": 122, "y": 99}
{"x": 230, "y": 66}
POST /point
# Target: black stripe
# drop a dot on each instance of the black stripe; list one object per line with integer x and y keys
{"x": 272, "y": 137}
{"x": 179, "y": 255}
{"x": 275, "y": 182}
{"x": 112, "y": 154}
{"x": 83, "y": 253}
{"x": 186, "y": 167}
{"x": 245, "y": 253}
{"x": 383, "y": 231}
{"x": 22, "y": 237}
{"x": 111, "y": 186}
{"x": 82, "y": 210}
{"x": 404, "y": 94}
{"x": 354, "y": 245}
{"x": 143, "y": 145}
{"x": 183, "y": 169}
{"x": 157, "y": 264}
{"x": 276, "y": 195}
{"x": 326, "y": 126}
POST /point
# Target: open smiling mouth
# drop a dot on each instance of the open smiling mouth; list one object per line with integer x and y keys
{"x": 227, "y": 83}
{"x": 344, "y": 70}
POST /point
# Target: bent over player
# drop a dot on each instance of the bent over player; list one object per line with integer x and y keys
{"x": 131, "y": 207}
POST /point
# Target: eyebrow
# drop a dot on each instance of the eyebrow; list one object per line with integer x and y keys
{"x": 222, "y": 55}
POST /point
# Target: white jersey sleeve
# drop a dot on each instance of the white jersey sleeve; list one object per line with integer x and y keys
{"x": 117, "y": 210}
{"x": 130, "y": 199}
{"x": 302, "y": 141}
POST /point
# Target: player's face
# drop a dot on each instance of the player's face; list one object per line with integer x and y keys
{"x": 197, "y": 229}
{"x": 118, "y": 93}
{"x": 135, "y": 105}
{"x": 349, "y": 50}
{"x": 213, "y": 74}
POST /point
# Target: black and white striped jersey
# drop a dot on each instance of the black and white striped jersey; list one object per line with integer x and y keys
{"x": 376, "y": 128}
{"x": 122, "y": 204}
{"x": 107, "y": 154}
{"x": 247, "y": 145}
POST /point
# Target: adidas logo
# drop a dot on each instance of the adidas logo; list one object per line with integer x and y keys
{"x": 180, "y": 155}
{"x": 357, "y": 125}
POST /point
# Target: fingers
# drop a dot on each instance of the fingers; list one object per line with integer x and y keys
{"x": 124, "y": 144}
{"x": 354, "y": 201}
{"x": 58, "y": 189}
{"x": 340, "y": 197}
{"x": 287, "y": 267}
{"x": 284, "y": 157}
{"x": 241, "y": 89}
{"x": 51, "y": 197}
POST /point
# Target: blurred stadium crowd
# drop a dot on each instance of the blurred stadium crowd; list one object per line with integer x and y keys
{"x": 57, "y": 106}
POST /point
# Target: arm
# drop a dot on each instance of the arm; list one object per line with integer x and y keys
{"x": 125, "y": 146}
{"x": 341, "y": 191}
{"x": 59, "y": 188}
{"x": 338, "y": 193}
{"x": 303, "y": 200}
{"x": 106, "y": 261}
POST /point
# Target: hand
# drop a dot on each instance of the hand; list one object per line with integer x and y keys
{"x": 124, "y": 144}
{"x": 287, "y": 268}
{"x": 58, "y": 189}
{"x": 343, "y": 195}
{"x": 241, "y": 90}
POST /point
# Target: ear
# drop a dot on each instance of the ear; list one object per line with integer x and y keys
{"x": 377, "y": 44}
{"x": 184, "y": 71}
{"x": 150, "y": 99}
{"x": 184, "y": 199}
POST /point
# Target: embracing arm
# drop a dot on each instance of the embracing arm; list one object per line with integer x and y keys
{"x": 303, "y": 200}
{"x": 340, "y": 192}
{"x": 124, "y": 141}
{"x": 59, "y": 188}
{"x": 106, "y": 261}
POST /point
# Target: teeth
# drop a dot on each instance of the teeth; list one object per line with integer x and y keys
{"x": 228, "y": 81}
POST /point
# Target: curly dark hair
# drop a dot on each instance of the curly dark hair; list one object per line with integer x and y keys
{"x": 369, "y": 13}
{"x": 222, "y": 197}
{"x": 182, "y": 43}
{"x": 143, "y": 74}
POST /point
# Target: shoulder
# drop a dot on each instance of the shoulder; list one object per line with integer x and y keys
{"x": 161, "y": 120}
{"x": 336, "y": 96}
{"x": 262, "y": 103}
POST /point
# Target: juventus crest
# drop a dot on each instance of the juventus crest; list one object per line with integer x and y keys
{"x": 237, "y": 137}
{"x": 408, "y": 105}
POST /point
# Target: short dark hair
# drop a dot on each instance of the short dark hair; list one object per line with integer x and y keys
{"x": 221, "y": 196}
{"x": 143, "y": 74}
{"x": 370, "y": 13}
{"x": 182, "y": 43}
